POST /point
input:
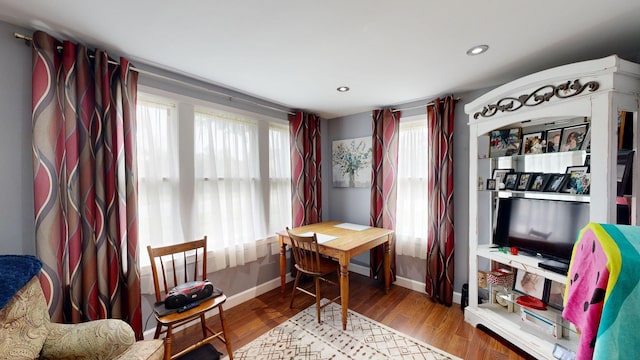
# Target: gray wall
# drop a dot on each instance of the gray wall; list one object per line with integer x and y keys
{"x": 16, "y": 182}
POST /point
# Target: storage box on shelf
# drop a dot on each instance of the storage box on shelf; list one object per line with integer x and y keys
{"x": 590, "y": 93}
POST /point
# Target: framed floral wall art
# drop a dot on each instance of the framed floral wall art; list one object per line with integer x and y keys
{"x": 351, "y": 162}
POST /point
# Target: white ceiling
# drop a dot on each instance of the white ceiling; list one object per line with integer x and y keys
{"x": 297, "y": 52}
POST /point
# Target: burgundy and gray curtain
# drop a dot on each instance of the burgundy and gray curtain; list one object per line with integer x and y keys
{"x": 439, "y": 279}
{"x": 85, "y": 182}
{"x": 306, "y": 182}
{"x": 384, "y": 178}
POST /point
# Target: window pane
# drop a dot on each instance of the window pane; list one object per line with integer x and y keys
{"x": 229, "y": 201}
{"x": 412, "y": 208}
{"x": 279, "y": 178}
{"x": 158, "y": 200}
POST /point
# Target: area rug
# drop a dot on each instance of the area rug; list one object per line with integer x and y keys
{"x": 301, "y": 337}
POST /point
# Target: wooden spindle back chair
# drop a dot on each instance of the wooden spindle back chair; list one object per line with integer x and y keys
{"x": 306, "y": 254}
{"x": 176, "y": 263}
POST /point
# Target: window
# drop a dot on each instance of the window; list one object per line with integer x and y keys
{"x": 205, "y": 171}
{"x": 413, "y": 177}
{"x": 158, "y": 201}
{"x": 279, "y": 177}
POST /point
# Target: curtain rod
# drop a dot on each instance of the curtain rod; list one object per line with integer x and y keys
{"x": 421, "y": 106}
{"x": 28, "y": 39}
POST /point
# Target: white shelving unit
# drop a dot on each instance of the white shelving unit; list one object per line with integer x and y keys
{"x": 593, "y": 91}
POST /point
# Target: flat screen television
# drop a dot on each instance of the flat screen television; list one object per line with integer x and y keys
{"x": 540, "y": 227}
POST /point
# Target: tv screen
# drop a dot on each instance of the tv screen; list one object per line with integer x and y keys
{"x": 548, "y": 228}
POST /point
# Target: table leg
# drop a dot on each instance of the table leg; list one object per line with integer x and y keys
{"x": 344, "y": 292}
{"x": 283, "y": 264}
{"x": 387, "y": 265}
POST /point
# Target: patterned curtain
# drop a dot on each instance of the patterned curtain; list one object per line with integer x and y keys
{"x": 85, "y": 182}
{"x": 439, "y": 279}
{"x": 306, "y": 182}
{"x": 384, "y": 178}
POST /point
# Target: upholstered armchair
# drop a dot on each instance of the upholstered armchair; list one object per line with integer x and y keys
{"x": 26, "y": 331}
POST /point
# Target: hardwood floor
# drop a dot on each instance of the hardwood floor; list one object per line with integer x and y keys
{"x": 407, "y": 311}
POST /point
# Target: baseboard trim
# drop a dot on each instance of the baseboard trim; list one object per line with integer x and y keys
{"x": 401, "y": 281}
{"x": 249, "y": 294}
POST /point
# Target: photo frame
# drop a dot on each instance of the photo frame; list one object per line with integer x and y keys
{"x": 491, "y": 184}
{"x": 624, "y": 167}
{"x": 583, "y": 183}
{"x": 574, "y": 174}
{"x": 499, "y": 175}
{"x": 555, "y": 182}
{"x": 625, "y": 130}
{"x": 586, "y": 143}
{"x": 533, "y": 143}
{"x": 554, "y": 294}
{"x": 510, "y": 180}
{"x": 523, "y": 181}
{"x": 505, "y": 142}
{"x": 538, "y": 182}
{"x": 529, "y": 284}
{"x": 351, "y": 160}
{"x": 554, "y": 139}
{"x": 573, "y": 137}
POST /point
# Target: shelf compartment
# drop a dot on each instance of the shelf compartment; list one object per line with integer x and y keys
{"x": 520, "y": 261}
{"x": 508, "y": 325}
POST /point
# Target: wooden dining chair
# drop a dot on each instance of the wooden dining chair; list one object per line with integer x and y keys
{"x": 306, "y": 254}
{"x": 178, "y": 264}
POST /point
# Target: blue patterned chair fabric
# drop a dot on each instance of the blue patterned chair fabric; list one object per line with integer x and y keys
{"x": 26, "y": 331}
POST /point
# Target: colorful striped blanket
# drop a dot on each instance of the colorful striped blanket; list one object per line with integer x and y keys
{"x": 603, "y": 291}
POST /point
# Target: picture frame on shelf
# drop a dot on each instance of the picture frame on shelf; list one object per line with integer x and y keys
{"x": 533, "y": 143}
{"x": 538, "y": 182}
{"x": 573, "y": 137}
{"x": 625, "y": 129}
{"x": 491, "y": 184}
{"x": 554, "y": 294}
{"x": 499, "y": 175}
{"x": 529, "y": 284}
{"x": 624, "y": 167}
{"x": 505, "y": 142}
{"x": 510, "y": 180}
{"x": 575, "y": 174}
{"x": 583, "y": 184}
{"x": 586, "y": 143}
{"x": 553, "y": 139}
{"x": 523, "y": 181}
{"x": 555, "y": 182}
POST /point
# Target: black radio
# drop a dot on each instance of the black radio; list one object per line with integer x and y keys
{"x": 187, "y": 293}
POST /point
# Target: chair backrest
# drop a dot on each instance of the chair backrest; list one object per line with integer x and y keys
{"x": 306, "y": 253}
{"x": 176, "y": 263}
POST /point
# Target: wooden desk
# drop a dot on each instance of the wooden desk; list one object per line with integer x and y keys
{"x": 348, "y": 243}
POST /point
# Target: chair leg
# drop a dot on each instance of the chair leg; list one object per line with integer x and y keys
{"x": 167, "y": 343}
{"x": 317, "y": 281}
{"x": 295, "y": 287}
{"x": 203, "y": 324}
{"x": 225, "y": 332}
{"x": 158, "y": 329}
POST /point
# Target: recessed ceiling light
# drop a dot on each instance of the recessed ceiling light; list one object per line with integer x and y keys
{"x": 477, "y": 50}
{"x": 343, "y": 89}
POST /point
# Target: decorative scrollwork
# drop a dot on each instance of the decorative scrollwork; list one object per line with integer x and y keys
{"x": 539, "y": 96}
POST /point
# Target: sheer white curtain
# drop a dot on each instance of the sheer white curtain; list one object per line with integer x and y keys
{"x": 229, "y": 201}
{"x": 279, "y": 178}
{"x": 412, "y": 214}
{"x": 158, "y": 176}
